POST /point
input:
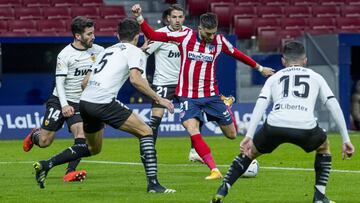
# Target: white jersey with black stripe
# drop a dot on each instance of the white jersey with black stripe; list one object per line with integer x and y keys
{"x": 73, "y": 64}
{"x": 110, "y": 72}
{"x": 167, "y": 60}
{"x": 294, "y": 91}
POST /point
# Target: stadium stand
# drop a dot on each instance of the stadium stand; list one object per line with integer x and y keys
{"x": 89, "y": 12}
{"x": 304, "y": 2}
{"x": 22, "y": 26}
{"x": 93, "y": 3}
{"x": 10, "y": 3}
{"x": 350, "y": 11}
{"x": 57, "y": 13}
{"x": 222, "y": 9}
{"x": 196, "y": 7}
{"x": 247, "y": 2}
{"x": 298, "y": 12}
{"x": 51, "y": 26}
{"x": 244, "y": 18}
{"x": 112, "y": 12}
{"x": 25, "y": 13}
{"x": 7, "y": 14}
{"x": 36, "y": 3}
{"x": 65, "y": 3}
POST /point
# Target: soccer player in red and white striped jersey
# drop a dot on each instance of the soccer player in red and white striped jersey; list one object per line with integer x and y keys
{"x": 197, "y": 87}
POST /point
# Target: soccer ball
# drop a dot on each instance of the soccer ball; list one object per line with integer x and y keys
{"x": 252, "y": 171}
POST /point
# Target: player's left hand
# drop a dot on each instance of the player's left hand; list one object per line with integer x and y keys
{"x": 167, "y": 103}
{"x": 347, "y": 150}
{"x": 146, "y": 44}
{"x": 267, "y": 72}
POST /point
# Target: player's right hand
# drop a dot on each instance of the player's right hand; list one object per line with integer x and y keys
{"x": 347, "y": 150}
{"x": 245, "y": 146}
{"x": 167, "y": 103}
{"x": 136, "y": 10}
{"x": 268, "y": 72}
{"x": 68, "y": 111}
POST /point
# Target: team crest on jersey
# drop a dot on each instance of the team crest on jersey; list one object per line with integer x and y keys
{"x": 46, "y": 122}
{"x": 93, "y": 57}
{"x": 212, "y": 48}
{"x": 200, "y": 56}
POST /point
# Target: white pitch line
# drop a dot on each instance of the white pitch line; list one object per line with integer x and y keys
{"x": 187, "y": 165}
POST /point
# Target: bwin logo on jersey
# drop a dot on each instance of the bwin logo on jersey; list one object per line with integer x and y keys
{"x": 173, "y": 54}
{"x": 80, "y": 72}
{"x": 1, "y": 124}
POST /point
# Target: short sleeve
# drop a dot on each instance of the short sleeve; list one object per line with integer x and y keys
{"x": 136, "y": 59}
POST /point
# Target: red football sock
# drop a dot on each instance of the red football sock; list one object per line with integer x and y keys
{"x": 203, "y": 150}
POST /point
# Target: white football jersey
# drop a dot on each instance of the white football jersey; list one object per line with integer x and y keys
{"x": 294, "y": 91}
{"x": 111, "y": 70}
{"x": 167, "y": 60}
{"x": 73, "y": 64}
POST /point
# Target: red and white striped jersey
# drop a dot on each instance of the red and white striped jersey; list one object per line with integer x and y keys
{"x": 197, "y": 72}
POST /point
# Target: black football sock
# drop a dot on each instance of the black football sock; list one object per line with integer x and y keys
{"x": 35, "y": 137}
{"x": 237, "y": 168}
{"x": 73, "y": 164}
{"x": 70, "y": 154}
{"x": 322, "y": 166}
{"x": 154, "y": 125}
{"x": 148, "y": 157}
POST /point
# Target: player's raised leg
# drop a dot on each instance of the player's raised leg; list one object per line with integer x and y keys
{"x": 229, "y": 101}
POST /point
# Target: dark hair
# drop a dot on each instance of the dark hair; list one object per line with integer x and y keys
{"x": 293, "y": 51}
{"x": 209, "y": 20}
{"x": 175, "y": 7}
{"x": 128, "y": 29}
{"x": 79, "y": 24}
{"x": 164, "y": 16}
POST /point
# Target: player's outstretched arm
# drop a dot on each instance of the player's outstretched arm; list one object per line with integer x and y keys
{"x": 265, "y": 71}
{"x": 333, "y": 106}
{"x": 237, "y": 54}
{"x": 143, "y": 86}
{"x": 149, "y": 32}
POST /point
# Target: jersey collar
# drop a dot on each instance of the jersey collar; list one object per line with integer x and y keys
{"x": 77, "y": 48}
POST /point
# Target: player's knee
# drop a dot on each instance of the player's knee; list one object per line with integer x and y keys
{"x": 324, "y": 148}
{"x": 94, "y": 150}
{"x": 145, "y": 131}
{"x": 231, "y": 135}
{"x": 192, "y": 129}
{"x": 45, "y": 141}
{"x": 79, "y": 135}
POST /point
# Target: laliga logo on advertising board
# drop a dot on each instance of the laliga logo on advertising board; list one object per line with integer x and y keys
{"x": 21, "y": 122}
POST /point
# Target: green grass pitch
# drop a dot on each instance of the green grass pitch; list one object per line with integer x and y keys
{"x": 116, "y": 175}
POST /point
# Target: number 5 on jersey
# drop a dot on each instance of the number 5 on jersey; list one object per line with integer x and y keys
{"x": 103, "y": 61}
